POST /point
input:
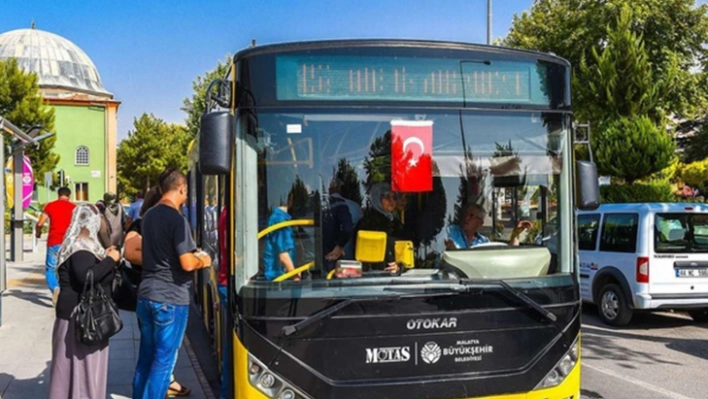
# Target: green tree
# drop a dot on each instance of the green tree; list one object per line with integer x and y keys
{"x": 620, "y": 81}
{"x": 350, "y": 184}
{"x": 470, "y": 189}
{"x": 298, "y": 199}
{"x": 377, "y": 163}
{"x": 697, "y": 147}
{"x": 674, "y": 33}
{"x": 631, "y": 148}
{"x": 22, "y": 104}
{"x": 151, "y": 147}
{"x": 195, "y": 105}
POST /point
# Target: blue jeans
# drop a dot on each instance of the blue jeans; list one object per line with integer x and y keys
{"x": 162, "y": 327}
{"x": 51, "y": 267}
{"x": 226, "y": 337}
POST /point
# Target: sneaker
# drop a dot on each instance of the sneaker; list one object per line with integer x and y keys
{"x": 55, "y": 296}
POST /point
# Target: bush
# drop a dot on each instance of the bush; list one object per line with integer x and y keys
{"x": 631, "y": 149}
{"x": 638, "y": 192}
{"x": 696, "y": 174}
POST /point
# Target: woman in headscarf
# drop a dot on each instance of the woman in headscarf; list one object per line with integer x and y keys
{"x": 380, "y": 217}
{"x": 80, "y": 371}
{"x": 134, "y": 254}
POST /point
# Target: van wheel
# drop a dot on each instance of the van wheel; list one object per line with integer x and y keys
{"x": 699, "y": 315}
{"x": 613, "y": 307}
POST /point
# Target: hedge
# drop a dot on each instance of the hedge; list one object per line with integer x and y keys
{"x": 637, "y": 192}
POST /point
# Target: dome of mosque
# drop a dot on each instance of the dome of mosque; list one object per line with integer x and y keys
{"x": 59, "y": 63}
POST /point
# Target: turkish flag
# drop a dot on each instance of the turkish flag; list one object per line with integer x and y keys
{"x": 412, "y": 156}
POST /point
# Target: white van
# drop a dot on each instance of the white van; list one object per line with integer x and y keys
{"x": 644, "y": 256}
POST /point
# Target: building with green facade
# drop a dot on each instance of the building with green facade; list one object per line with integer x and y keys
{"x": 85, "y": 112}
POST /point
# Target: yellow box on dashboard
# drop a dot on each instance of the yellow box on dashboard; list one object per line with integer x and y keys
{"x": 370, "y": 246}
{"x": 404, "y": 254}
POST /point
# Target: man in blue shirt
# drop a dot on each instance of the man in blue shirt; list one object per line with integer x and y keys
{"x": 279, "y": 245}
{"x": 465, "y": 234}
{"x": 134, "y": 209}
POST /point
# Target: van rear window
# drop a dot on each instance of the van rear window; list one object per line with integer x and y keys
{"x": 681, "y": 232}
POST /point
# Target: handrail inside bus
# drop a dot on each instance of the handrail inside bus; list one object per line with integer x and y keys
{"x": 278, "y": 226}
{"x": 294, "y": 272}
{"x": 331, "y": 274}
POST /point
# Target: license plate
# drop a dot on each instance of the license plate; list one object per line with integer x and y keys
{"x": 692, "y": 272}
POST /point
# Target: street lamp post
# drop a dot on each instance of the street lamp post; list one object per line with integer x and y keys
{"x": 21, "y": 136}
{"x": 489, "y": 21}
{"x": 23, "y": 139}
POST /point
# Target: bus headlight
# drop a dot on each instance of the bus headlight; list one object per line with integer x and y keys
{"x": 287, "y": 394}
{"x": 270, "y": 383}
{"x": 267, "y": 381}
{"x": 562, "y": 369}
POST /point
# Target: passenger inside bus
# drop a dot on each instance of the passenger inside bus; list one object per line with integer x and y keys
{"x": 338, "y": 226}
{"x": 465, "y": 234}
{"x": 279, "y": 251}
{"x": 380, "y": 217}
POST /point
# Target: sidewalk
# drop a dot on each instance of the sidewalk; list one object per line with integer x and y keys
{"x": 25, "y": 339}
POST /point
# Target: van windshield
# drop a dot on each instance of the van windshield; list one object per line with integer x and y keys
{"x": 681, "y": 232}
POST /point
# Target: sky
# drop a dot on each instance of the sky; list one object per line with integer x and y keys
{"x": 148, "y": 52}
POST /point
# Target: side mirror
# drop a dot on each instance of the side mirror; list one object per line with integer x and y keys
{"x": 216, "y": 139}
{"x": 587, "y": 186}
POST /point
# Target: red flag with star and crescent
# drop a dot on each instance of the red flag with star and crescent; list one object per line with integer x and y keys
{"x": 411, "y": 156}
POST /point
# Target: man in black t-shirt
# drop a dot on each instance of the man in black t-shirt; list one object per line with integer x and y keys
{"x": 169, "y": 257}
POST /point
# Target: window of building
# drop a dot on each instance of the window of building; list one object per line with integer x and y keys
{"x": 619, "y": 232}
{"x": 81, "y": 191}
{"x": 82, "y": 155}
{"x": 587, "y": 231}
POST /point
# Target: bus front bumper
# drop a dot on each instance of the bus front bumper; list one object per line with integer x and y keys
{"x": 569, "y": 388}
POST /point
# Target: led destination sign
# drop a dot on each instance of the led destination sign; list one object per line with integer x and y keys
{"x": 387, "y": 78}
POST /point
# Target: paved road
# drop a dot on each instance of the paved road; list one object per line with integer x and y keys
{"x": 658, "y": 356}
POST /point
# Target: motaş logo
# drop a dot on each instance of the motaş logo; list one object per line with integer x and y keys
{"x": 393, "y": 354}
{"x": 430, "y": 353}
{"x": 429, "y": 324}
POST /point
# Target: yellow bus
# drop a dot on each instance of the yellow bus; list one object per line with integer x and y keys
{"x": 395, "y": 219}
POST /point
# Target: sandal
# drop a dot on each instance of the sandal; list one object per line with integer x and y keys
{"x": 183, "y": 391}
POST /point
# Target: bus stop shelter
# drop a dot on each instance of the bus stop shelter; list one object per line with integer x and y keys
{"x": 20, "y": 140}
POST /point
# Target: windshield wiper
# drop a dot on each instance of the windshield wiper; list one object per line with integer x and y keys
{"x": 317, "y": 316}
{"x": 466, "y": 286}
{"x": 329, "y": 311}
{"x": 522, "y": 297}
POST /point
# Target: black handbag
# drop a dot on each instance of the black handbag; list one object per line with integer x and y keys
{"x": 96, "y": 318}
{"x": 125, "y": 287}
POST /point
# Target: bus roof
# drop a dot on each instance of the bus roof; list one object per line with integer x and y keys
{"x": 431, "y": 44}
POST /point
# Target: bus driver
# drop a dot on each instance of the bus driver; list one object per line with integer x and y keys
{"x": 465, "y": 235}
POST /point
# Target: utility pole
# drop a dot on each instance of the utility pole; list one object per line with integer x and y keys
{"x": 489, "y": 22}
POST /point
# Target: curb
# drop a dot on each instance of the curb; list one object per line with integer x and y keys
{"x": 208, "y": 394}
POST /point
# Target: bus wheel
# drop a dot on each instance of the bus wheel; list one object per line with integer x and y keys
{"x": 613, "y": 308}
{"x": 699, "y": 315}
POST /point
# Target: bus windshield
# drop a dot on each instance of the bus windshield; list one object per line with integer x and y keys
{"x": 400, "y": 193}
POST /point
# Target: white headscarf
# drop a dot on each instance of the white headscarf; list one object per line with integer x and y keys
{"x": 85, "y": 217}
